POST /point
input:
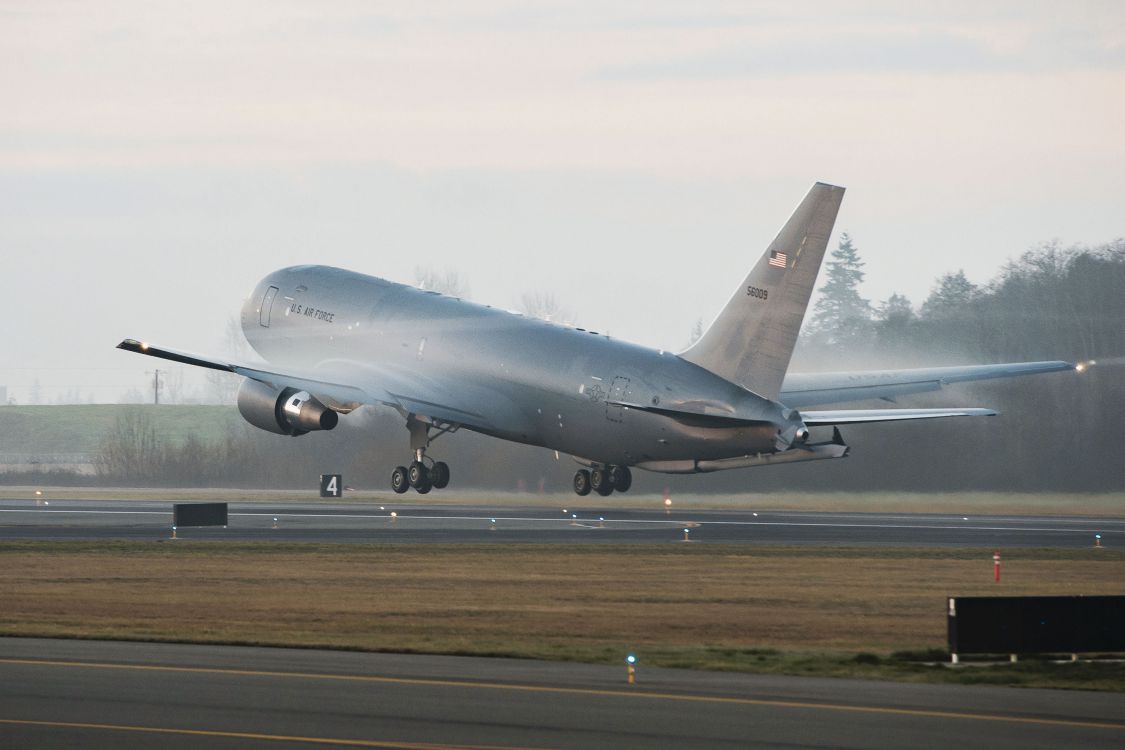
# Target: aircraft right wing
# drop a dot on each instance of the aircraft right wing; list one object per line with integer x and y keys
{"x": 867, "y": 416}
{"x": 811, "y": 389}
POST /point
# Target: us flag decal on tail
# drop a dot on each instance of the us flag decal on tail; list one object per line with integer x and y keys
{"x": 778, "y": 259}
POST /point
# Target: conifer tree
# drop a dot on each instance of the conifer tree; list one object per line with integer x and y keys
{"x": 841, "y": 316}
{"x": 951, "y": 298}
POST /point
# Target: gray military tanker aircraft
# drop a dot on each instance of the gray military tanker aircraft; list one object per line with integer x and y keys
{"x": 336, "y": 340}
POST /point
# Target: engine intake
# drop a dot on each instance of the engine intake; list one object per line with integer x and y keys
{"x": 286, "y": 412}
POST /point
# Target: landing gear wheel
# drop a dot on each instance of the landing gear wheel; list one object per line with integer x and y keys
{"x": 621, "y": 478}
{"x": 417, "y": 475}
{"x": 600, "y": 482}
{"x": 439, "y": 475}
{"x": 422, "y": 489}
{"x": 582, "y": 482}
{"x": 399, "y": 481}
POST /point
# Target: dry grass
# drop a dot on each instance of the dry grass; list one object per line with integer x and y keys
{"x": 545, "y": 601}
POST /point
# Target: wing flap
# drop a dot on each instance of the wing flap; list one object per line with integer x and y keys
{"x": 688, "y": 416}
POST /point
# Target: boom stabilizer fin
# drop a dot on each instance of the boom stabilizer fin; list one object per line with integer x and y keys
{"x": 752, "y": 340}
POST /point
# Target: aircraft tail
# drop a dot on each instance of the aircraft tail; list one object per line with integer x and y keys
{"x": 752, "y": 340}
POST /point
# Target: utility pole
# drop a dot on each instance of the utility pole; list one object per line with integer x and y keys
{"x": 156, "y": 387}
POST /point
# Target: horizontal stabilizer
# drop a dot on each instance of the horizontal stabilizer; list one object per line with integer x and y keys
{"x": 861, "y": 416}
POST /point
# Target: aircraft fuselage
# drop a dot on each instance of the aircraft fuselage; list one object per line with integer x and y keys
{"x": 539, "y": 383}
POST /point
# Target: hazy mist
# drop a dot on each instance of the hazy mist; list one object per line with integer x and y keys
{"x": 157, "y": 159}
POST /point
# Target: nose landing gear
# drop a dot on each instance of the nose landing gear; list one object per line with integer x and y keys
{"x": 603, "y": 480}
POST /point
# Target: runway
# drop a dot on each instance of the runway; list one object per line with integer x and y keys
{"x": 111, "y": 694}
{"x": 414, "y": 524}
{"x": 352, "y": 522}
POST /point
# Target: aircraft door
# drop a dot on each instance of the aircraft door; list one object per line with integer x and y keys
{"x": 267, "y": 306}
{"x": 617, "y": 392}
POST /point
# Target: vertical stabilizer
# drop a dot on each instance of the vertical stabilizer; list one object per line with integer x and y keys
{"x": 752, "y": 340}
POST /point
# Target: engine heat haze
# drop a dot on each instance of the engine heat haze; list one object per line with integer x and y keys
{"x": 336, "y": 340}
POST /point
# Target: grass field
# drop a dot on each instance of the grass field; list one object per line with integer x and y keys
{"x": 781, "y": 609}
{"x": 80, "y": 428}
{"x": 954, "y": 503}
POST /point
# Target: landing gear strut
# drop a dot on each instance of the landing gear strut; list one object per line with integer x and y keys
{"x": 603, "y": 480}
{"x": 423, "y": 474}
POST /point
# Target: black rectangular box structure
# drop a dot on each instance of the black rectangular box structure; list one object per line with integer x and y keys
{"x": 331, "y": 485}
{"x": 199, "y": 514}
{"x": 1035, "y": 624}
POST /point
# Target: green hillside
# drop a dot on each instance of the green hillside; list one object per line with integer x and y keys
{"x": 79, "y": 428}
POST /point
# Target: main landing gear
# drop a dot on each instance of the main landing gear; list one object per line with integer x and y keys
{"x": 419, "y": 476}
{"x": 603, "y": 480}
{"x": 423, "y": 473}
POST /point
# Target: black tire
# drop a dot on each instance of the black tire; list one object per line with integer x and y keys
{"x": 417, "y": 474}
{"x": 621, "y": 478}
{"x": 399, "y": 482}
{"x": 439, "y": 475}
{"x": 600, "y": 482}
{"x": 582, "y": 482}
{"x": 422, "y": 489}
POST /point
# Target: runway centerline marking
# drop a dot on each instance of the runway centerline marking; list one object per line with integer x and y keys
{"x": 603, "y": 692}
{"x": 339, "y": 741}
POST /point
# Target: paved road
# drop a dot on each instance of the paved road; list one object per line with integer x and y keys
{"x": 351, "y": 522}
{"x": 95, "y": 694}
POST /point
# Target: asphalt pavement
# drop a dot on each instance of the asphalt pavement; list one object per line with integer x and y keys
{"x": 97, "y": 694}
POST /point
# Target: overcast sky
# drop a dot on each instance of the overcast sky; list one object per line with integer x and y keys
{"x": 632, "y": 158}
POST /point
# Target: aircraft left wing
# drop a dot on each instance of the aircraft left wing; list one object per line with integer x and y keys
{"x": 811, "y": 389}
{"x": 340, "y": 392}
{"x": 349, "y": 385}
{"x": 861, "y": 416}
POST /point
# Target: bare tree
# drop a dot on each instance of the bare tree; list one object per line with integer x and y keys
{"x": 696, "y": 331}
{"x": 172, "y": 385}
{"x": 448, "y": 282}
{"x": 222, "y": 387}
{"x": 130, "y": 451}
{"x": 545, "y": 306}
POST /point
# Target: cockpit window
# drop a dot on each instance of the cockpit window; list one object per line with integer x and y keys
{"x": 267, "y": 305}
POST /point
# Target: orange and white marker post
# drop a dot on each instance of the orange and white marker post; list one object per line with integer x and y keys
{"x": 631, "y": 668}
{"x": 996, "y": 566}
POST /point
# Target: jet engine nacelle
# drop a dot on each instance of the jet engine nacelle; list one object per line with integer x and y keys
{"x": 287, "y": 411}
